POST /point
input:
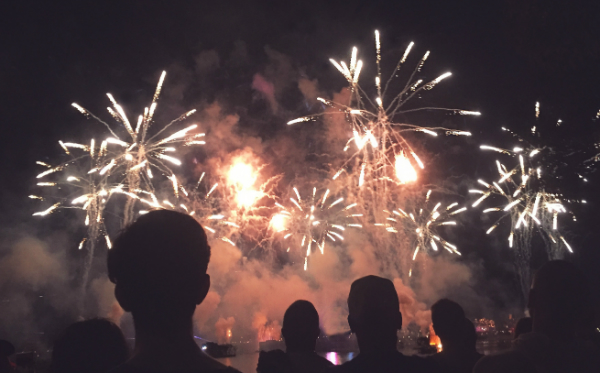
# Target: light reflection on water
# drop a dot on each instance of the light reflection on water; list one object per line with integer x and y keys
{"x": 246, "y": 363}
{"x": 338, "y": 358}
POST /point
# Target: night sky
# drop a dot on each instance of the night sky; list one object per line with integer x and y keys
{"x": 503, "y": 57}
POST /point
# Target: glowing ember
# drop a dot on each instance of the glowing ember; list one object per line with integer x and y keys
{"x": 404, "y": 170}
{"x": 242, "y": 176}
{"x": 246, "y": 198}
{"x": 278, "y": 222}
{"x": 434, "y": 340}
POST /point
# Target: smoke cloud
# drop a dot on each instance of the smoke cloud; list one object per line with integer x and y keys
{"x": 257, "y": 295}
{"x": 37, "y": 296}
{"x": 268, "y": 91}
{"x": 30, "y": 263}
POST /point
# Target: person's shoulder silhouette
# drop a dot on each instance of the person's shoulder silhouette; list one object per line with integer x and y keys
{"x": 93, "y": 346}
{"x": 158, "y": 265}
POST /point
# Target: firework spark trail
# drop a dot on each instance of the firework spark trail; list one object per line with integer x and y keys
{"x": 77, "y": 188}
{"x": 204, "y": 205}
{"x": 141, "y": 152}
{"x": 521, "y": 198}
{"x": 378, "y": 147}
{"x": 523, "y": 189}
{"x": 80, "y": 188}
{"x": 596, "y": 157}
{"x": 306, "y": 224}
{"x": 98, "y": 170}
{"x": 421, "y": 225}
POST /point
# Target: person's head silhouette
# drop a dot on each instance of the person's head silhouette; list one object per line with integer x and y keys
{"x": 158, "y": 265}
{"x": 301, "y": 327}
{"x": 93, "y": 346}
{"x": 559, "y": 300}
{"x": 447, "y": 317}
{"x": 470, "y": 335}
{"x": 374, "y": 313}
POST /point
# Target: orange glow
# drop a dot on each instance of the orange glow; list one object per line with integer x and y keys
{"x": 404, "y": 170}
{"x": 247, "y": 197}
{"x": 242, "y": 176}
{"x": 434, "y": 340}
{"x": 278, "y": 223}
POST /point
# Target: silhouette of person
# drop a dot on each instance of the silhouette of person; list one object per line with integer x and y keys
{"x": 300, "y": 332}
{"x": 524, "y": 325}
{"x": 158, "y": 266}
{"x": 92, "y": 346}
{"x": 6, "y": 349}
{"x": 471, "y": 336}
{"x": 374, "y": 316}
{"x": 559, "y": 301}
{"x": 457, "y": 335}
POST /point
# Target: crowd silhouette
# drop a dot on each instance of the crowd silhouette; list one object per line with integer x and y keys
{"x": 159, "y": 268}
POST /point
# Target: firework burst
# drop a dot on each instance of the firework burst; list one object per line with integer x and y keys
{"x": 203, "y": 204}
{"x": 307, "y": 224}
{"x": 84, "y": 190}
{"x": 527, "y": 203}
{"x": 378, "y": 150}
{"x": 136, "y": 153}
{"x": 522, "y": 199}
{"x": 421, "y": 225}
{"x": 595, "y": 158}
{"x": 71, "y": 186}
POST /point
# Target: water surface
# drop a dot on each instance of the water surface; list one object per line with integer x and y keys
{"x": 246, "y": 363}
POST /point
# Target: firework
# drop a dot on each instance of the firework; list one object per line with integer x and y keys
{"x": 242, "y": 177}
{"x": 203, "y": 204}
{"x": 522, "y": 188}
{"x": 137, "y": 152}
{"x": 521, "y": 197}
{"x": 308, "y": 223}
{"x": 378, "y": 148}
{"x": 246, "y": 188}
{"x": 76, "y": 188}
{"x": 97, "y": 170}
{"x": 596, "y": 157}
{"x": 70, "y": 185}
{"x": 243, "y": 198}
{"x": 422, "y": 223}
